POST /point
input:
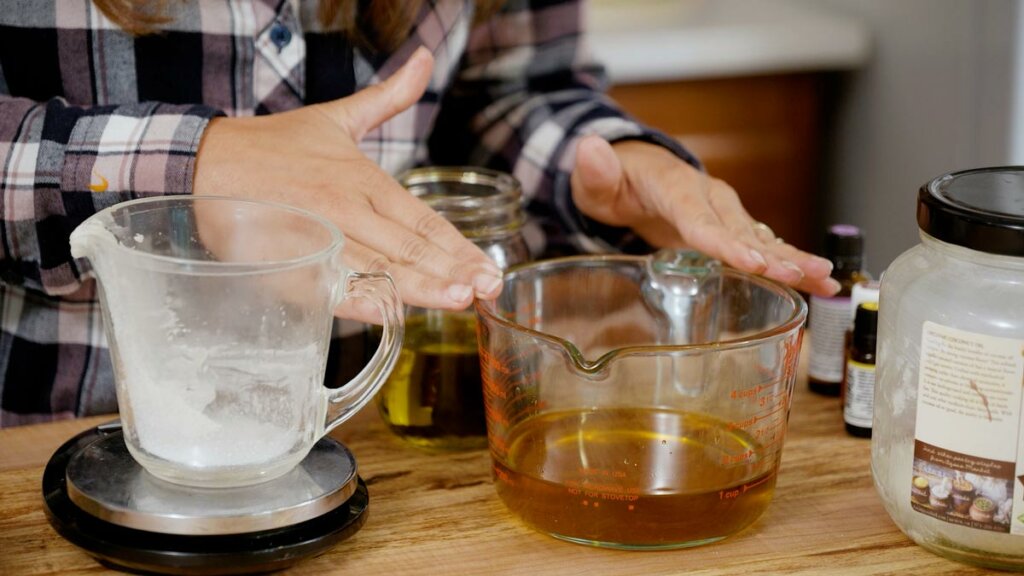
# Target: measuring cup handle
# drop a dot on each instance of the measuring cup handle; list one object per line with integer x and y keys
{"x": 378, "y": 288}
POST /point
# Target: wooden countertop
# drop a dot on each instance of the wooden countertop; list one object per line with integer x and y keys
{"x": 434, "y": 514}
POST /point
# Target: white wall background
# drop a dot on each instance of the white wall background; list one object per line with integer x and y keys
{"x": 936, "y": 95}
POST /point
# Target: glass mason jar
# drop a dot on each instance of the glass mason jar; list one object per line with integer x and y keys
{"x": 434, "y": 397}
{"x": 948, "y": 440}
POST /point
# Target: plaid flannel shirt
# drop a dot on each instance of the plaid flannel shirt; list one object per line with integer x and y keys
{"x": 91, "y": 116}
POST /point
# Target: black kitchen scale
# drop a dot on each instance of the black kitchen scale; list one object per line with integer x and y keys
{"x": 101, "y": 500}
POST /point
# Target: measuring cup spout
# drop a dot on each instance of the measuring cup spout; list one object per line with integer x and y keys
{"x": 91, "y": 239}
{"x": 594, "y": 370}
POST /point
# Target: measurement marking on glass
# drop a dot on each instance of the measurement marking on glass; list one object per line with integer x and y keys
{"x": 735, "y": 492}
{"x": 746, "y": 424}
{"x": 752, "y": 392}
{"x": 777, "y": 399}
{"x": 728, "y": 459}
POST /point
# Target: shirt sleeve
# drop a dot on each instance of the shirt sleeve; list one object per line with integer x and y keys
{"x": 526, "y": 91}
{"x": 61, "y": 164}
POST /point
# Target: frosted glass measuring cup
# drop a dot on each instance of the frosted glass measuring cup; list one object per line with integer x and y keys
{"x": 638, "y": 402}
{"x": 218, "y": 313}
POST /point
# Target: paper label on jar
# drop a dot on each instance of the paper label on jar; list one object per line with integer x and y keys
{"x": 858, "y": 404}
{"x": 827, "y": 324}
{"x": 968, "y": 448}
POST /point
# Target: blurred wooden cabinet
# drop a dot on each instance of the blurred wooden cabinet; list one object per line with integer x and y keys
{"x": 760, "y": 134}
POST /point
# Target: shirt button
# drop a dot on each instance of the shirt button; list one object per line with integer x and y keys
{"x": 280, "y": 35}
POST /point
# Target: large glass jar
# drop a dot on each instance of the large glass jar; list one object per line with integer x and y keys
{"x": 948, "y": 442}
{"x": 434, "y": 397}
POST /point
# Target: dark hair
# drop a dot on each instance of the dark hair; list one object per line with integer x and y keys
{"x": 378, "y": 24}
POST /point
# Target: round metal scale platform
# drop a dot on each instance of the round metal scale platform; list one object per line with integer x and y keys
{"x": 101, "y": 500}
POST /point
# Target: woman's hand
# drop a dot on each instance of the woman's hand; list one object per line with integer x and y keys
{"x": 309, "y": 158}
{"x": 671, "y": 204}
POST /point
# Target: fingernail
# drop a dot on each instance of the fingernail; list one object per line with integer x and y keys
{"x": 486, "y": 283}
{"x": 758, "y": 258}
{"x": 825, "y": 262}
{"x": 834, "y": 285}
{"x": 459, "y": 293}
{"x": 790, "y": 266}
{"x": 420, "y": 53}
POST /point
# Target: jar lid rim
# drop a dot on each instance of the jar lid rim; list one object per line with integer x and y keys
{"x": 981, "y": 209}
{"x": 482, "y": 203}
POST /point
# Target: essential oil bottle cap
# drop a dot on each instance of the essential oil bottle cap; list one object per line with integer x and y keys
{"x": 863, "y": 291}
{"x": 844, "y": 246}
{"x": 844, "y": 240}
{"x": 865, "y": 326}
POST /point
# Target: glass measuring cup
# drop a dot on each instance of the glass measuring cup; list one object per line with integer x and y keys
{"x": 218, "y": 314}
{"x": 638, "y": 402}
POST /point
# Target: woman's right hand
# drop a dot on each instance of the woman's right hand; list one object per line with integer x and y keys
{"x": 309, "y": 158}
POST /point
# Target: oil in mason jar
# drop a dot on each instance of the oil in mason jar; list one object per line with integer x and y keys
{"x": 434, "y": 396}
{"x": 634, "y": 478}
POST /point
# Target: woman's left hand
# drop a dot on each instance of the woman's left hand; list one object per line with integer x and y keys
{"x": 669, "y": 203}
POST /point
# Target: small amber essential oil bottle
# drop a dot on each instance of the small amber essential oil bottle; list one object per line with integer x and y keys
{"x": 829, "y": 318}
{"x": 859, "y": 397}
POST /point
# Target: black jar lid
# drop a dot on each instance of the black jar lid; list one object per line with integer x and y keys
{"x": 981, "y": 209}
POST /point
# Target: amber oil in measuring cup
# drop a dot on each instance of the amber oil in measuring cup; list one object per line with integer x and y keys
{"x": 649, "y": 414}
{"x": 634, "y": 477}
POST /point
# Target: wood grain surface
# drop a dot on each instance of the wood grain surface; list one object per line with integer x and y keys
{"x": 439, "y": 514}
